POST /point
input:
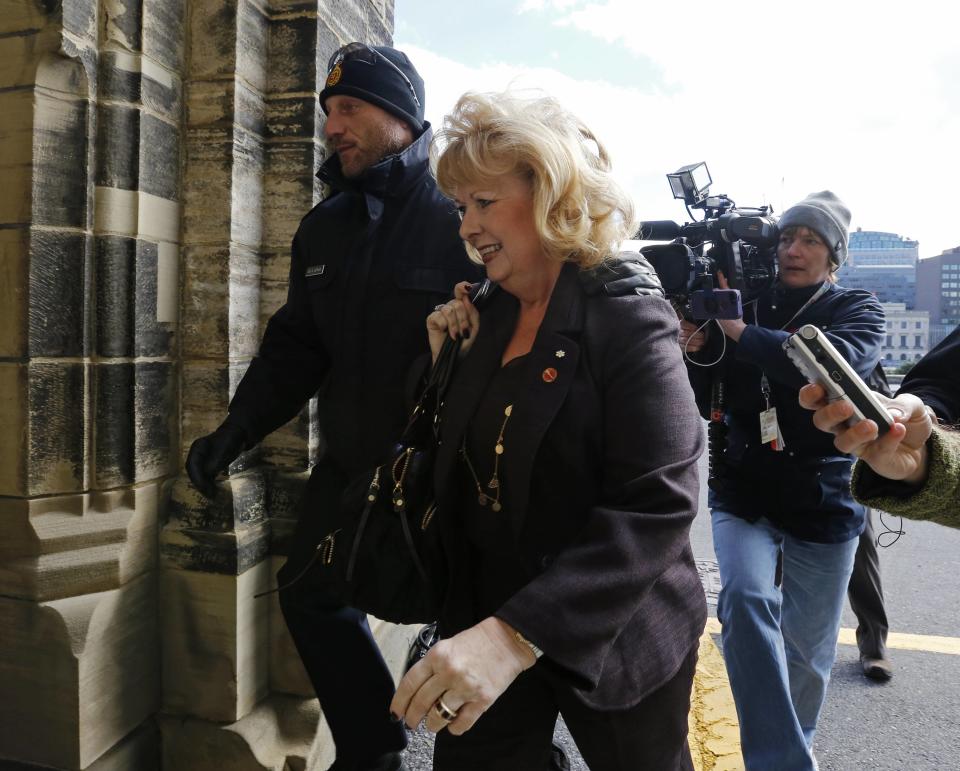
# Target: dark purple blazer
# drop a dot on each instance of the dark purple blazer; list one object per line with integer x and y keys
{"x": 603, "y": 477}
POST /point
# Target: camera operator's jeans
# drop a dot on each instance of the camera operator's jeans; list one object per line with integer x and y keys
{"x": 778, "y": 643}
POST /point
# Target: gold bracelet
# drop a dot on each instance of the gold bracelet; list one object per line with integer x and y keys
{"x": 537, "y": 653}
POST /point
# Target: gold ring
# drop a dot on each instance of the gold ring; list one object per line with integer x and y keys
{"x": 444, "y": 712}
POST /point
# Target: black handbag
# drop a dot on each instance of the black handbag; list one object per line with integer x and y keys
{"x": 382, "y": 553}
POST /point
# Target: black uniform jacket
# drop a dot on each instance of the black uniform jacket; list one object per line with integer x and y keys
{"x": 369, "y": 263}
{"x": 936, "y": 379}
{"x": 603, "y": 470}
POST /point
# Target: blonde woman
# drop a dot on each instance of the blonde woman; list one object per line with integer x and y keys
{"x": 567, "y": 469}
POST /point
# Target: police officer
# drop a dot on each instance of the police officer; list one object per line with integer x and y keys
{"x": 368, "y": 265}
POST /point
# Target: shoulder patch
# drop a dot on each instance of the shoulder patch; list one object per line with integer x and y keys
{"x": 629, "y": 273}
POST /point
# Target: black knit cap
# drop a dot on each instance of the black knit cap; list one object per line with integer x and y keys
{"x": 373, "y": 80}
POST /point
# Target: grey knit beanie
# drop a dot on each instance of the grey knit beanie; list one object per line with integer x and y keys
{"x": 826, "y": 215}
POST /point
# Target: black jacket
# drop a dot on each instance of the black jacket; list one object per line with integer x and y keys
{"x": 369, "y": 263}
{"x": 804, "y": 489}
{"x": 603, "y": 487}
{"x": 936, "y": 379}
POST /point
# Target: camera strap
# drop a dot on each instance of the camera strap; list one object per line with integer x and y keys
{"x": 770, "y": 432}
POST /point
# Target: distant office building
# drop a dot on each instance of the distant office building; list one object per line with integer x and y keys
{"x": 908, "y": 334}
{"x": 882, "y": 263}
{"x": 873, "y": 247}
{"x": 938, "y": 292}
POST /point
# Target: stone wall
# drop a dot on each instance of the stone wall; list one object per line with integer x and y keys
{"x": 156, "y": 157}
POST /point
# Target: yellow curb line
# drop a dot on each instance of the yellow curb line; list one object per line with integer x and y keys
{"x": 714, "y": 731}
{"x": 714, "y": 734}
{"x": 898, "y": 640}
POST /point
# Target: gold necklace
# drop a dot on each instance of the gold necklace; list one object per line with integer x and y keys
{"x": 483, "y": 497}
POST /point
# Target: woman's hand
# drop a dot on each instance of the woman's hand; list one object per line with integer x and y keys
{"x": 457, "y": 318}
{"x": 732, "y": 328}
{"x": 900, "y": 454}
{"x": 692, "y": 336}
{"x": 468, "y": 672}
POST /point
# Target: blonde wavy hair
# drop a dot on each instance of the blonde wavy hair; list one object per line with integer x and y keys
{"x": 581, "y": 214}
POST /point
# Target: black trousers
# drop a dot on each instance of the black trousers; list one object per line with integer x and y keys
{"x": 516, "y": 733}
{"x": 341, "y": 657}
{"x": 866, "y": 596}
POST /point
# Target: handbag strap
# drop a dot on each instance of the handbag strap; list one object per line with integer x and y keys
{"x": 443, "y": 367}
{"x": 438, "y": 380}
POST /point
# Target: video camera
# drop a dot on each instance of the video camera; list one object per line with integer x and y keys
{"x": 740, "y": 242}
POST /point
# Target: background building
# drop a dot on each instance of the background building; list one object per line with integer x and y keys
{"x": 938, "y": 292}
{"x": 882, "y": 263}
{"x": 908, "y": 333}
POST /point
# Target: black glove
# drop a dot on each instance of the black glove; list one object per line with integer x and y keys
{"x": 211, "y": 454}
{"x": 628, "y": 273}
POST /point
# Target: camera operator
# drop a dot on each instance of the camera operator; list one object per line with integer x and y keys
{"x": 781, "y": 489}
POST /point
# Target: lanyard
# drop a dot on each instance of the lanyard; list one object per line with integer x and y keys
{"x": 816, "y": 296}
{"x": 764, "y": 383}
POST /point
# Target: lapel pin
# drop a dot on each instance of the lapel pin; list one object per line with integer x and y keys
{"x": 549, "y": 375}
{"x": 560, "y": 354}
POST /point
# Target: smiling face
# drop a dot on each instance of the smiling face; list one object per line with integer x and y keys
{"x": 362, "y": 134}
{"x": 497, "y": 220}
{"x": 803, "y": 257}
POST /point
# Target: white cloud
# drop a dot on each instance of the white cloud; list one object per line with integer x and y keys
{"x": 858, "y": 98}
{"x": 527, "y": 6}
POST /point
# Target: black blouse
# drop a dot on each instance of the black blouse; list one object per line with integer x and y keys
{"x": 496, "y": 563}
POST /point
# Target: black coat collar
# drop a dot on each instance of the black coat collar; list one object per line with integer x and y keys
{"x": 390, "y": 177}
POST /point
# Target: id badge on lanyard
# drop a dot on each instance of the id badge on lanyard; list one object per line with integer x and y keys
{"x": 769, "y": 427}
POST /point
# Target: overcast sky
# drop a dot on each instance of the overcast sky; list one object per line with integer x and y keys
{"x": 779, "y": 98}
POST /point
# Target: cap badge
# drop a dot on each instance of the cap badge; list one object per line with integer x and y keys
{"x": 334, "y": 77}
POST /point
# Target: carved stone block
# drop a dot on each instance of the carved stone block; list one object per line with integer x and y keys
{"x": 155, "y": 419}
{"x": 213, "y": 31}
{"x": 43, "y": 442}
{"x": 60, "y": 178}
{"x": 126, "y": 317}
{"x": 63, "y": 546}
{"x": 77, "y": 674}
{"x": 215, "y": 642}
{"x": 161, "y": 90}
{"x": 293, "y": 116}
{"x": 14, "y": 265}
{"x": 207, "y": 186}
{"x": 252, "y": 43}
{"x": 113, "y": 437}
{"x": 59, "y": 284}
{"x": 221, "y": 302}
{"x": 277, "y": 734}
{"x": 299, "y": 68}
{"x": 120, "y": 77}
{"x": 163, "y": 32}
{"x": 159, "y": 172}
{"x": 118, "y": 145}
{"x": 287, "y": 189}
{"x": 123, "y": 22}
